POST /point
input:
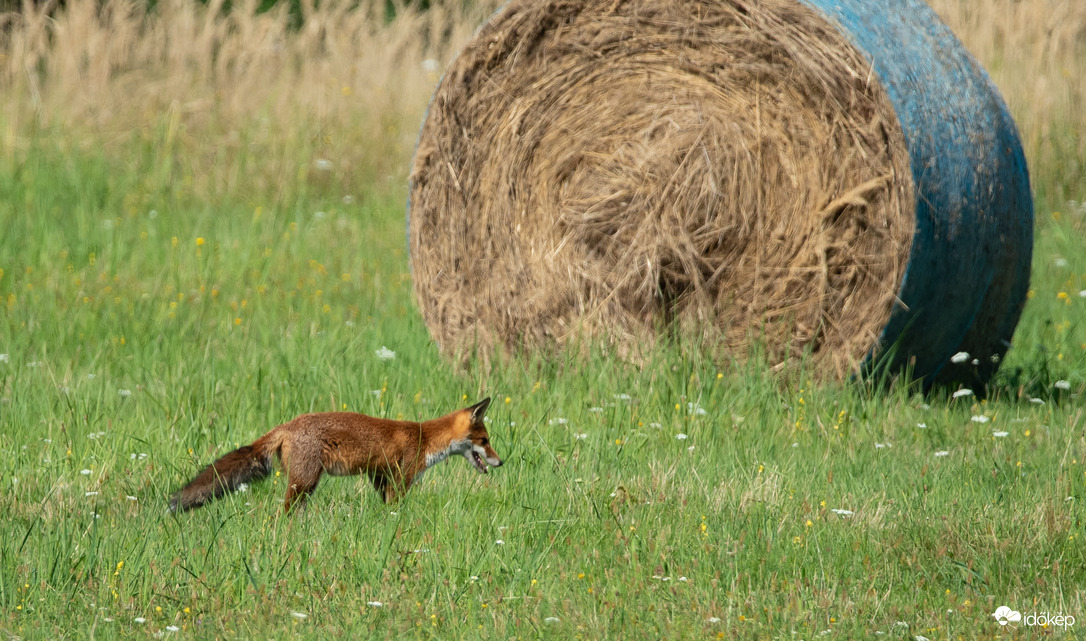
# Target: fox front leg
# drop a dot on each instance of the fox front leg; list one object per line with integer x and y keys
{"x": 392, "y": 488}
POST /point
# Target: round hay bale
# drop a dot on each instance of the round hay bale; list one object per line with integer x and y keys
{"x": 742, "y": 170}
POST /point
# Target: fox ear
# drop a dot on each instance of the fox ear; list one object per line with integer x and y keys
{"x": 479, "y": 409}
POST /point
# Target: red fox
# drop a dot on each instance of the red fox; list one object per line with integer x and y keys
{"x": 392, "y": 453}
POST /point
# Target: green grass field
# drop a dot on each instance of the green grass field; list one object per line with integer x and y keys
{"x": 144, "y": 333}
{"x": 160, "y": 306}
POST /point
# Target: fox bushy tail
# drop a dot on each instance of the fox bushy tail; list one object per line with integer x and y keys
{"x": 243, "y": 465}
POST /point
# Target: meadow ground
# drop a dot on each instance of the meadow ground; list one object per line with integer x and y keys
{"x": 193, "y": 251}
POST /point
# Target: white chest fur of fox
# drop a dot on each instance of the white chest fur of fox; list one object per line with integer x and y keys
{"x": 393, "y": 454}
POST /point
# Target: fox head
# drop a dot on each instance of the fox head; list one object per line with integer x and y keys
{"x": 478, "y": 450}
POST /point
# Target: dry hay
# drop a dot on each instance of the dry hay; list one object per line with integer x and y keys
{"x": 606, "y": 169}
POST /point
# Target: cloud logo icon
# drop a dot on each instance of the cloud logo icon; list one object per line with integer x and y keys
{"x": 1006, "y": 615}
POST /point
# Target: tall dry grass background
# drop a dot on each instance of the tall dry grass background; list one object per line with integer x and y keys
{"x": 229, "y": 100}
{"x": 236, "y": 100}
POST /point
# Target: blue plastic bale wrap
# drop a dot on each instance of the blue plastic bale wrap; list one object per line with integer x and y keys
{"x": 968, "y": 271}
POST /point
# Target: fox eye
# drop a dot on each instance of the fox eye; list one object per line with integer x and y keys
{"x": 485, "y": 441}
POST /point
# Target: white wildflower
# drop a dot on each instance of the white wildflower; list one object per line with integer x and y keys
{"x": 375, "y": 604}
{"x": 385, "y": 353}
{"x": 840, "y": 512}
{"x": 681, "y": 437}
{"x": 4, "y": 358}
{"x": 299, "y": 615}
{"x": 172, "y": 628}
{"x": 942, "y": 453}
{"x": 558, "y": 421}
{"x": 695, "y": 409}
{"x": 879, "y": 446}
{"x": 1061, "y": 384}
{"x": 124, "y": 392}
{"x": 140, "y": 620}
{"x": 552, "y": 620}
{"x": 1060, "y": 262}
{"x": 129, "y": 497}
{"x": 90, "y": 494}
{"x": 962, "y": 392}
{"x": 622, "y": 397}
{"x": 980, "y": 419}
{"x": 1000, "y": 434}
{"x": 580, "y": 437}
{"x": 960, "y": 357}
{"x": 85, "y": 472}
{"x": 595, "y": 410}
{"x": 322, "y": 164}
{"x": 499, "y": 542}
{"x": 1037, "y": 401}
{"x": 714, "y": 619}
{"x": 922, "y": 425}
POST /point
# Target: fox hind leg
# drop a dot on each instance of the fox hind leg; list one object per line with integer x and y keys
{"x": 303, "y": 474}
{"x": 298, "y": 491}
